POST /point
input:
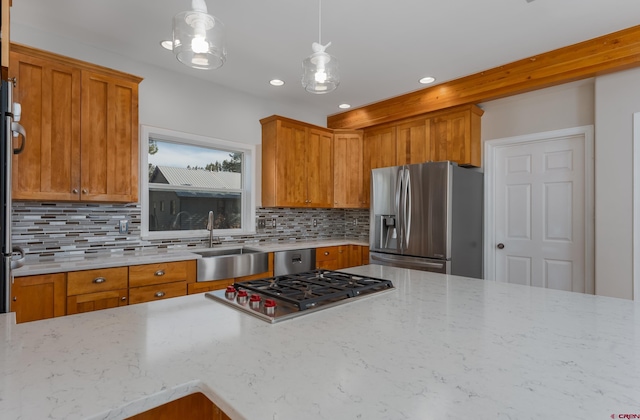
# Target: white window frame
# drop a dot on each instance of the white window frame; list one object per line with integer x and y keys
{"x": 248, "y": 181}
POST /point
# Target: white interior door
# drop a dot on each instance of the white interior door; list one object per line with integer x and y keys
{"x": 542, "y": 205}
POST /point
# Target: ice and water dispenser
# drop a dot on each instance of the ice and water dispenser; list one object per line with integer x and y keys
{"x": 387, "y": 231}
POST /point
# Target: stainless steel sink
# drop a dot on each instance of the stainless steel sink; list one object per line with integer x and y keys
{"x": 227, "y": 263}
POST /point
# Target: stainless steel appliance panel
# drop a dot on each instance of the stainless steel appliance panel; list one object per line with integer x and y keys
{"x": 293, "y": 262}
{"x": 428, "y": 210}
{"x": 466, "y": 226}
{"x": 415, "y": 263}
{"x": 385, "y": 225}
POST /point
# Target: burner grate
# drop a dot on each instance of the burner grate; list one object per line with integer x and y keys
{"x": 307, "y": 290}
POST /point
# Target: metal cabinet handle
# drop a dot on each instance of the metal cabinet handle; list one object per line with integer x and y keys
{"x": 99, "y": 280}
{"x": 159, "y": 294}
{"x": 500, "y": 246}
{"x": 123, "y": 298}
{"x": 75, "y": 191}
{"x": 85, "y": 191}
{"x": 15, "y": 298}
{"x": 326, "y": 252}
{"x": 159, "y": 273}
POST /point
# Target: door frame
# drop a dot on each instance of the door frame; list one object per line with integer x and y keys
{"x": 490, "y": 149}
{"x": 636, "y": 206}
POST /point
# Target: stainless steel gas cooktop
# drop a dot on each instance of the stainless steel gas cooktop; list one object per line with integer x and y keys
{"x": 278, "y": 298}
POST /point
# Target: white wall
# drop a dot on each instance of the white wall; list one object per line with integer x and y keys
{"x": 617, "y": 98}
{"x": 565, "y": 106}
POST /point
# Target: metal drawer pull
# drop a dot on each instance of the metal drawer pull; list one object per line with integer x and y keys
{"x": 159, "y": 294}
{"x": 99, "y": 280}
{"x": 123, "y": 298}
{"x": 159, "y": 273}
{"x": 326, "y": 253}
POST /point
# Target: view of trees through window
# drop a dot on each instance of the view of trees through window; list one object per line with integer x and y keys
{"x": 186, "y": 182}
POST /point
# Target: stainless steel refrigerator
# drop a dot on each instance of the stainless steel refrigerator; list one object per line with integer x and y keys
{"x": 427, "y": 216}
{"x": 12, "y": 256}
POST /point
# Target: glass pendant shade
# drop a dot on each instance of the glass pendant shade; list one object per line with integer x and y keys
{"x": 320, "y": 73}
{"x": 199, "y": 40}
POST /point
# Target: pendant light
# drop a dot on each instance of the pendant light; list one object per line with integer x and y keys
{"x": 199, "y": 38}
{"x": 320, "y": 70}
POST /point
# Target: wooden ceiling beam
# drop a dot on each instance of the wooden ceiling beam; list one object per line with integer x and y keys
{"x": 606, "y": 54}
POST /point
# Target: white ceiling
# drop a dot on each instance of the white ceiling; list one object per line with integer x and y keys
{"x": 383, "y": 47}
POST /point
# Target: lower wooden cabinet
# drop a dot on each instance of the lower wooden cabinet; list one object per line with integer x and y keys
{"x": 157, "y": 292}
{"x": 192, "y": 407}
{"x": 38, "y": 297}
{"x": 88, "y": 302}
{"x": 331, "y": 257}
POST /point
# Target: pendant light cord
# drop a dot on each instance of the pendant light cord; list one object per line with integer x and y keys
{"x": 320, "y": 22}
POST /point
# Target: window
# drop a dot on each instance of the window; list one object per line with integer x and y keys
{"x": 185, "y": 177}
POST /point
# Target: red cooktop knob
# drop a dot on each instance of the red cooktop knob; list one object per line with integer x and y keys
{"x": 270, "y": 307}
{"x": 255, "y": 298}
{"x": 231, "y": 289}
{"x": 230, "y": 293}
{"x": 242, "y": 293}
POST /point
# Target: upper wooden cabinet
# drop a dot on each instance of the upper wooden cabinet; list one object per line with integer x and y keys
{"x": 82, "y": 129}
{"x": 347, "y": 169}
{"x": 455, "y": 135}
{"x": 5, "y": 8}
{"x": 379, "y": 152}
{"x": 297, "y": 164}
{"x": 412, "y": 142}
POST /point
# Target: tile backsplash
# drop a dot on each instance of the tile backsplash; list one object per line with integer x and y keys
{"x": 69, "y": 229}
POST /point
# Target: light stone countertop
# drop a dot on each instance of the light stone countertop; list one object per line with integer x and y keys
{"x": 150, "y": 256}
{"x": 437, "y": 347}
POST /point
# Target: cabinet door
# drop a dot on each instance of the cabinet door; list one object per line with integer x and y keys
{"x": 319, "y": 168}
{"x": 96, "y": 301}
{"x": 109, "y": 149}
{"x": 38, "y": 297}
{"x": 291, "y": 178}
{"x": 456, "y": 137}
{"x": 412, "y": 142}
{"x": 347, "y": 170}
{"x": 379, "y": 152}
{"x": 49, "y": 92}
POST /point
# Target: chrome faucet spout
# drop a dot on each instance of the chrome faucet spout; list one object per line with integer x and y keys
{"x": 212, "y": 240}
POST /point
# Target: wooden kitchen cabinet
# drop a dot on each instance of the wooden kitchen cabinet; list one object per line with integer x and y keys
{"x": 297, "y": 164}
{"x": 412, "y": 142}
{"x": 150, "y": 282}
{"x": 193, "y": 407}
{"x": 331, "y": 257}
{"x": 5, "y": 9}
{"x": 348, "y": 169}
{"x": 91, "y": 290}
{"x": 82, "y": 123}
{"x": 379, "y": 150}
{"x": 454, "y": 135}
{"x": 38, "y": 297}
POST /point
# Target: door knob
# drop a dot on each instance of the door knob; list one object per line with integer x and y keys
{"x": 500, "y": 246}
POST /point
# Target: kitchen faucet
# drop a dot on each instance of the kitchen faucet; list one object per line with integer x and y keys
{"x": 210, "y": 229}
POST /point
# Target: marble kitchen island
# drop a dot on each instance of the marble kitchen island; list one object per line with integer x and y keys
{"x": 437, "y": 347}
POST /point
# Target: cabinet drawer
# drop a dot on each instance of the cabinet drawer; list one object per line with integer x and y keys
{"x": 207, "y": 286}
{"x": 92, "y": 281}
{"x": 327, "y": 253}
{"x": 148, "y": 274}
{"x": 95, "y": 301}
{"x": 157, "y": 292}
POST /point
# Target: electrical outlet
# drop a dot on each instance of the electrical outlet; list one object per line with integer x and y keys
{"x": 355, "y": 221}
{"x": 315, "y": 222}
{"x": 123, "y": 226}
{"x": 273, "y": 222}
{"x": 262, "y": 223}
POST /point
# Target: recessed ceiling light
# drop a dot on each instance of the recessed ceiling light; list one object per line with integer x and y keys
{"x": 276, "y": 82}
{"x": 344, "y": 106}
{"x": 427, "y": 80}
{"x": 167, "y": 45}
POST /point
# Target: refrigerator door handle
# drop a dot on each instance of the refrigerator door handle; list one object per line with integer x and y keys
{"x": 399, "y": 215}
{"x": 407, "y": 206}
{"x": 18, "y": 129}
{"x": 19, "y": 262}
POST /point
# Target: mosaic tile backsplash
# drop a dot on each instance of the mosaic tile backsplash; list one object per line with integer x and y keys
{"x": 70, "y": 229}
